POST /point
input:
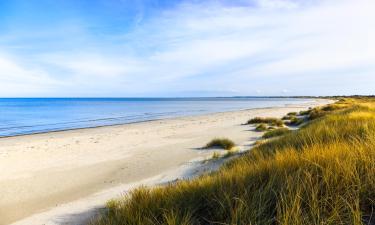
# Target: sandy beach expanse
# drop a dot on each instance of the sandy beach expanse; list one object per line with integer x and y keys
{"x": 48, "y": 178}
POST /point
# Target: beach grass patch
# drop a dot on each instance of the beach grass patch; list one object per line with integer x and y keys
{"x": 276, "y": 132}
{"x": 223, "y": 143}
{"x": 261, "y": 127}
{"x": 267, "y": 120}
{"x": 296, "y": 121}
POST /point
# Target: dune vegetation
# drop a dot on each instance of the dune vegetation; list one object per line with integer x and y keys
{"x": 261, "y": 127}
{"x": 267, "y": 120}
{"x": 292, "y": 114}
{"x": 224, "y": 143}
{"x": 295, "y": 121}
{"x": 323, "y": 173}
{"x": 276, "y": 132}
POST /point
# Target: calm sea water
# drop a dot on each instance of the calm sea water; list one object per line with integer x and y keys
{"x": 36, "y": 115}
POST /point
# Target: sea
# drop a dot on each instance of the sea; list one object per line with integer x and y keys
{"x": 21, "y": 116}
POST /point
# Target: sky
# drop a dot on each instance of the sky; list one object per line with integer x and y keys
{"x": 171, "y": 48}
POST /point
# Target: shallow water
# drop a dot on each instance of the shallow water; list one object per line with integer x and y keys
{"x": 35, "y": 115}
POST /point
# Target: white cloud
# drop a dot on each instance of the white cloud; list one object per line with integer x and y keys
{"x": 213, "y": 46}
{"x": 16, "y": 80}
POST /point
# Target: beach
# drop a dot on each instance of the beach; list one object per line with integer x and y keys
{"x": 46, "y": 177}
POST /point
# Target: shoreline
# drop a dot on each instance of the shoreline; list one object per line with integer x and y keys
{"x": 151, "y": 120}
{"x": 107, "y": 157}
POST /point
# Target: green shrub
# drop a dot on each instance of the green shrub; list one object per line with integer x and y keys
{"x": 276, "y": 132}
{"x": 224, "y": 143}
{"x": 292, "y": 114}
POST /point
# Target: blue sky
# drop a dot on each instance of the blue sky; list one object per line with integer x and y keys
{"x": 115, "y": 48}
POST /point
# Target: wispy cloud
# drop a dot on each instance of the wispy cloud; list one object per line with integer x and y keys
{"x": 17, "y": 80}
{"x": 262, "y": 47}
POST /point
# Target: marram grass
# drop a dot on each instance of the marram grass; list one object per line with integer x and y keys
{"x": 261, "y": 127}
{"x": 224, "y": 143}
{"x": 324, "y": 173}
{"x": 266, "y": 120}
{"x": 276, "y": 132}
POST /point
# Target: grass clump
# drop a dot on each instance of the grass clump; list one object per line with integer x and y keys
{"x": 296, "y": 121}
{"x": 332, "y": 107}
{"x": 322, "y": 173}
{"x": 267, "y": 120}
{"x": 290, "y": 115}
{"x": 316, "y": 113}
{"x": 261, "y": 127}
{"x": 276, "y": 132}
{"x": 224, "y": 143}
{"x": 260, "y": 142}
{"x": 322, "y": 111}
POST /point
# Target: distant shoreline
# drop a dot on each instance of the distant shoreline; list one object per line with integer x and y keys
{"x": 110, "y": 112}
{"x": 135, "y": 122}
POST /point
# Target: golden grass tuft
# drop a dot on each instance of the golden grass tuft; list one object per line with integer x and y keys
{"x": 261, "y": 127}
{"x": 277, "y": 132}
{"x": 266, "y": 120}
{"x": 224, "y": 143}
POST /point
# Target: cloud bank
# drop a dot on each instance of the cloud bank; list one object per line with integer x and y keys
{"x": 215, "y": 48}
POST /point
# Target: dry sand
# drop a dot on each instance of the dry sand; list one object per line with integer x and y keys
{"x": 58, "y": 177}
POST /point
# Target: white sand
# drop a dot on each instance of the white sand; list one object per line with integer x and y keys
{"x": 60, "y": 177}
